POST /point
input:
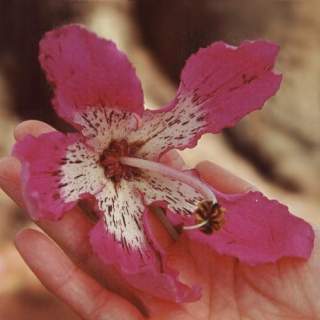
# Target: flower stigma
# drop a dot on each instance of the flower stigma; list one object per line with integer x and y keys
{"x": 110, "y": 161}
{"x": 209, "y": 214}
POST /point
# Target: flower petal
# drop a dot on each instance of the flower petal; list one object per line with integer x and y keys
{"x": 219, "y": 85}
{"x": 57, "y": 170}
{"x": 258, "y": 230}
{"x": 122, "y": 210}
{"x": 88, "y": 71}
{"x": 101, "y": 125}
{"x": 123, "y": 238}
{"x": 177, "y": 195}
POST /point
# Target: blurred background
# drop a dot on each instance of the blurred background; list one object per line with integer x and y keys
{"x": 277, "y": 149}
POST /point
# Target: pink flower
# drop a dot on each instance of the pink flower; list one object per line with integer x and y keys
{"x": 114, "y": 157}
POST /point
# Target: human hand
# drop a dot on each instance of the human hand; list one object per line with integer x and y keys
{"x": 289, "y": 289}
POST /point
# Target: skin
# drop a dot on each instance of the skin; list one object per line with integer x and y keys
{"x": 66, "y": 266}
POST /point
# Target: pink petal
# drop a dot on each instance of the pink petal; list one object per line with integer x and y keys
{"x": 219, "y": 85}
{"x": 101, "y": 125}
{"x": 231, "y": 81}
{"x": 177, "y": 195}
{"x": 167, "y": 284}
{"x": 121, "y": 209}
{"x": 123, "y": 238}
{"x": 259, "y": 230}
{"x": 57, "y": 170}
{"x": 118, "y": 251}
{"x": 88, "y": 71}
{"x": 150, "y": 275}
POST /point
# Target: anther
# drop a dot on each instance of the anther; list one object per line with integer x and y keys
{"x": 209, "y": 217}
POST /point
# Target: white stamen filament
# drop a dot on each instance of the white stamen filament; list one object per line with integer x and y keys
{"x": 196, "y": 226}
{"x": 171, "y": 172}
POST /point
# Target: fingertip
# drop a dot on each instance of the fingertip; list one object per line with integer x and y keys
{"x": 203, "y": 164}
{"x": 10, "y": 169}
{"x": 223, "y": 180}
{"x": 20, "y": 235}
{"x": 8, "y": 166}
{"x": 35, "y": 248}
{"x": 32, "y": 127}
{"x": 173, "y": 159}
{"x": 26, "y": 238}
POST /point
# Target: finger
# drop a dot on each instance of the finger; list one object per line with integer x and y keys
{"x": 172, "y": 158}
{"x": 10, "y": 167}
{"x": 71, "y": 232}
{"x": 10, "y": 179}
{"x": 75, "y": 242}
{"x": 221, "y": 179}
{"x": 73, "y": 221}
{"x": 32, "y": 127}
{"x": 70, "y": 284}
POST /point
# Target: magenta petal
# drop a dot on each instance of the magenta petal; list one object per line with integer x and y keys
{"x": 118, "y": 252}
{"x": 167, "y": 283}
{"x": 229, "y": 82}
{"x": 259, "y": 230}
{"x": 144, "y": 269}
{"x": 40, "y": 158}
{"x": 88, "y": 71}
{"x": 57, "y": 170}
{"x": 219, "y": 85}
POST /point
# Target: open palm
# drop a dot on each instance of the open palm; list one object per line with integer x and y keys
{"x": 231, "y": 290}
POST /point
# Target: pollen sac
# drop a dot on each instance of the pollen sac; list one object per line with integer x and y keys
{"x": 211, "y": 212}
{"x": 110, "y": 161}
